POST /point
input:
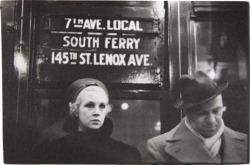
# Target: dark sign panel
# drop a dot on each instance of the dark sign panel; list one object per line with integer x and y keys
{"x": 116, "y": 44}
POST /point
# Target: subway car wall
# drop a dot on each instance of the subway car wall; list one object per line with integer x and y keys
{"x": 138, "y": 49}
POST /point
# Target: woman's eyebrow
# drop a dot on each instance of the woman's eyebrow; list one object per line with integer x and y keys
{"x": 89, "y": 102}
{"x": 105, "y": 103}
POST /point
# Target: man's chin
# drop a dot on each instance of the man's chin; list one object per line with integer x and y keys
{"x": 209, "y": 133}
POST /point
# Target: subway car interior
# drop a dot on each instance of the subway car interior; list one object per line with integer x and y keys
{"x": 139, "y": 49}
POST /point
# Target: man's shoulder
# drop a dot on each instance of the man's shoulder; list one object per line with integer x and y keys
{"x": 168, "y": 136}
{"x": 236, "y": 135}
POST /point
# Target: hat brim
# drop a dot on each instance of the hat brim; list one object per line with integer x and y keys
{"x": 181, "y": 105}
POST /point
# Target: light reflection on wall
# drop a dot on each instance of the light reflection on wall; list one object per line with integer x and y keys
{"x": 140, "y": 77}
{"x": 157, "y": 126}
{"x": 124, "y": 106}
{"x": 160, "y": 9}
{"x": 20, "y": 63}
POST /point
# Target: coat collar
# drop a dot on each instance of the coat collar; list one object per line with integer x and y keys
{"x": 233, "y": 146}
{"x": 185, "y": 147}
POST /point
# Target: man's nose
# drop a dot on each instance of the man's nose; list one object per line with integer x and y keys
{"x": 210, "y": 119}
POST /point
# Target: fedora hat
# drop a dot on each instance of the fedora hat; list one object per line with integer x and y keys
{"x": 197, "y": 89}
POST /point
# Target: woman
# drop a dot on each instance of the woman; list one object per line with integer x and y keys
{"x": 89, "y": 140}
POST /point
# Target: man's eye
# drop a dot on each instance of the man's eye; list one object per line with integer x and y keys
{"x": 90, "y": 105}
{"x": 215, "y": 111}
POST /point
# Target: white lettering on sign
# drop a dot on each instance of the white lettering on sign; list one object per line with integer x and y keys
{"x": 121, "y": 43}
{"x": 101, "y": 59}
{"x": 124, "y": 25}
{"x": 138, "y": 60}
{"x": 82, "y": 42}
{"x": 97, "y": 48}
{"x": 84, "y": 23}
{"x": 85, "y": 58}
{"x": 110, "y": 59}
{"x": 60, "y": 57}
{"x": 96, "y": 24}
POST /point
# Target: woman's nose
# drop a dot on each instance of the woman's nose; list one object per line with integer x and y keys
{"x": 97, "y": 111}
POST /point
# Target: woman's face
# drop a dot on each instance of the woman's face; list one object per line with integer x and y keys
{"x": 93, "y": 108}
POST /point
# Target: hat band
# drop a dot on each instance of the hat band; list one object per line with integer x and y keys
{"x": 92, "y": 84}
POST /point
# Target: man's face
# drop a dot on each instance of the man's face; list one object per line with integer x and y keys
{"x": 93, "y": 108}
{"x": 206, "y": 119}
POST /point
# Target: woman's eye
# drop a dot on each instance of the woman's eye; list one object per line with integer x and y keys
{"x": 102, "y": 106}
{"x": 90, "y": 105}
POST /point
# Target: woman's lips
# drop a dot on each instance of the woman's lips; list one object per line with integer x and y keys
{"x": 95, "y": 120}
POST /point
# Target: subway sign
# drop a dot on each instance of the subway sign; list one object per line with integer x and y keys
{"x": 125, "y": 47}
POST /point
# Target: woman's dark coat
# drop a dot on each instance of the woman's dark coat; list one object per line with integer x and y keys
{"x": 88, "y": 148}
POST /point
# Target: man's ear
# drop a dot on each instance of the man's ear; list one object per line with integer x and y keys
{"x": 73, "y": 110}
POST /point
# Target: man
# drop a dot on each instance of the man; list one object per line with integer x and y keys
{"x": 89, "y": 141}
{"x": 201, "y": 136}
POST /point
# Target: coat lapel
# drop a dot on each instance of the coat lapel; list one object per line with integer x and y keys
{"x": 233, "y": 148}
{"x": 186, "y": 147}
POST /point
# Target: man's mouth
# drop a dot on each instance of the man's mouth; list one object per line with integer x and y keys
{"x": 211, "y": 127}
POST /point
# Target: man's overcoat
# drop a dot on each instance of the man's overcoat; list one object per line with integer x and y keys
{"x": 181, "y": 145}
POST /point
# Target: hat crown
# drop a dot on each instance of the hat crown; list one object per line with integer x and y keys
{"x": 197, "y": 88}
{"x": 77, "y": 86}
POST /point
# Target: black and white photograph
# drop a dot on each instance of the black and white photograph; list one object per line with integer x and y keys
{"x": 125, "y": 82}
